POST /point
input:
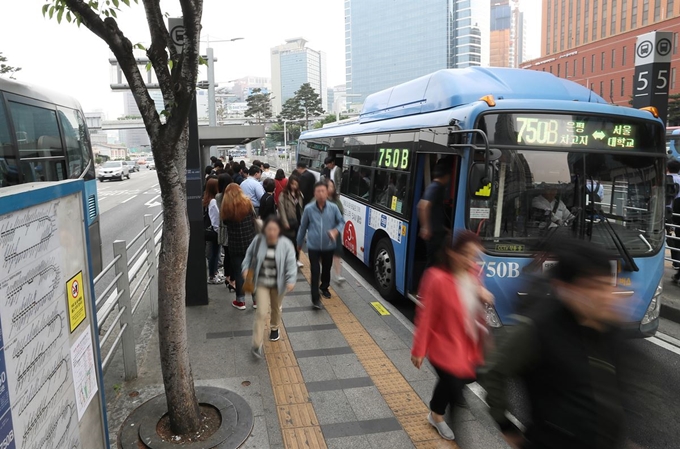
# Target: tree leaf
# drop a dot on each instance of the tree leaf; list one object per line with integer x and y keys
{"x": 127, "y": 2}
{"x": 171, "y": 63}
{"x": 116, "y": 3}
{"x": 113, "y": 12}
{"x": 68, "y": 16}
{"x": 59, "y": 15}
{"x": 106, "y": 12}
{"x": 51, "y": 11}
{"x": 140, "y": 46}
{"x": 45, "y": 8}
{"x": 202, "y": 61}
{"x": 148, "y": 66}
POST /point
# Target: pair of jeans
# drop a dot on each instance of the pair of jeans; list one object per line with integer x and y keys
{"x": 320, "y": 263}
{"x": 448, "y": 391}
{"x": 236, "y": 261}
{"x": 269, "y": 302}
{"x": 214, "y": 258}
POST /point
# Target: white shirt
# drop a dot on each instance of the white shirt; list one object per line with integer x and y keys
{"x": 267, "y": 174}
{"x": 591, "y": 185}
{"x": 214, "y": 214}
{"x": 561, "y": 213}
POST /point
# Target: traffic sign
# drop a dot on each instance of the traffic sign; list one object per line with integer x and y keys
{"x": 653, "y": 53}
{"x": 177, "y": 32}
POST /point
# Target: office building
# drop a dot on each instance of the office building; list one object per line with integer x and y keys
{"x": 243, "y": 87}
{"x": 294, "y": 64}
{"x": 137, "y": 138}
{"x": 507, "y": 34}
{"x": 410, "y": 39}
{"x": 568, "y": 24}
{"x": 607, "y": 66}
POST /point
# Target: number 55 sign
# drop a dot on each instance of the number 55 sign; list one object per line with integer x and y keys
{"x": 652, "y": 71}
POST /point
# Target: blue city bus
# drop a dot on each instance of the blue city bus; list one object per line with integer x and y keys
{"x": 508, "y": 136}
{"x": 44, "y": 137}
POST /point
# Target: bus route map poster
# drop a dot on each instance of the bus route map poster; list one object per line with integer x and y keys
{"x": 37, "y": 397}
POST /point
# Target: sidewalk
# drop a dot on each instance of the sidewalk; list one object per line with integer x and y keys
{"x": 338, "y": 378}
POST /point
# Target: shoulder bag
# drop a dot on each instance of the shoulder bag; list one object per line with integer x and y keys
{"x": 249, "y": 278}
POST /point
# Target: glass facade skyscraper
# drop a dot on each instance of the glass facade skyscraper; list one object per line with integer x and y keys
{"x": 294, "y": 64}
{"x": 388, "y": 42}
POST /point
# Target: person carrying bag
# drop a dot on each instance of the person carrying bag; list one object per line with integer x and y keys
{"x": 270, "y": 270}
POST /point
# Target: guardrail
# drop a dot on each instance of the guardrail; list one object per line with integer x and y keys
{"x": 133, "y": 276}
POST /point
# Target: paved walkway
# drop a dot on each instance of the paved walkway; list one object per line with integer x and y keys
{"x": 338, "y": 378}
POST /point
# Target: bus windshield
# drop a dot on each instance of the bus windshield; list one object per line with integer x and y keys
{"x": 551, "y": 194}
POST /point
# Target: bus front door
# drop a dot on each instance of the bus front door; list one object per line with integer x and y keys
{"x": 443, "y": 212}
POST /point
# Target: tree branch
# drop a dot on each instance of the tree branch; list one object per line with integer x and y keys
{"x": 160, "y": 40}
{"x": 121, "y": 47}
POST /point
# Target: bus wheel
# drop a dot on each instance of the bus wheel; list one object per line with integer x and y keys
{"x": 384, "y": 269}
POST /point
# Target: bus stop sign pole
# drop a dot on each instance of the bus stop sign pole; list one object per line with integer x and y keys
{"x": 196, "y": 277}
{"x": 652, "y": 71}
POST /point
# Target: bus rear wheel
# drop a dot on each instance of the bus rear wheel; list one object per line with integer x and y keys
{"x": 384, "y": 269}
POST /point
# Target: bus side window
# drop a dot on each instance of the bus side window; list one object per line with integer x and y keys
{"x": 9, "y": 173}
{"x": 41, "y": 153}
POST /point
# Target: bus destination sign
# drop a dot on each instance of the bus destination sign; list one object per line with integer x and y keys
{"x": 394, "y": 158}
{"x": 568, "y": 131}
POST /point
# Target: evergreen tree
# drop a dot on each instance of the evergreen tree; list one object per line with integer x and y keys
{"x": 309, "y": 101}
{"x": 259, "y": 105}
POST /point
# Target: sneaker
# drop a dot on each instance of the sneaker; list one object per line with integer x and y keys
{"x": 340, "y": 280}
{"x": 317, "y": 305}
{"x": 257, "y": 352}
{"x": 443, "y": 428}
{"x": 214, "y": 280}
{"x": 326, "y": 294}
{"x": 240, "y": 305}
{"x": 274, "y": 335}
{"x": 254, "y": 304}
{"x": 300, "y": 264}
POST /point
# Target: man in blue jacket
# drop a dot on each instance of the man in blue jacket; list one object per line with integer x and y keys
{"x": 322, "y": 224}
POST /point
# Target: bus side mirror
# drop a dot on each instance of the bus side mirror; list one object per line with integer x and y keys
{"x": 480, "y": 181}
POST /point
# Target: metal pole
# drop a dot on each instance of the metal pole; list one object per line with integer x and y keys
{"x": 150, "y": 239}
{"x": 125, "y": 305}
{"x": 212, "y": 112}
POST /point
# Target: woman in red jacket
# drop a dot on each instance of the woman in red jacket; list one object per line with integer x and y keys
{"x": 450, "y": 326}
{"x": 281, "y": 183}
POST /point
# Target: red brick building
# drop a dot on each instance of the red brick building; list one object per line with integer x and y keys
{"x": 605, "y": 65}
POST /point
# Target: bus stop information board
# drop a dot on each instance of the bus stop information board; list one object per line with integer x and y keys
{"x": 653, "y": 52}
{"x": 50, "y": 394}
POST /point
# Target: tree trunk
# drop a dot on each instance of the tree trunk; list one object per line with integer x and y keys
{"x": 178, "y": 380}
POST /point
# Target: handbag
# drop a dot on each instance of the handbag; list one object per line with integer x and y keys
{"x": 210, "y": 233}
{"x": 249, "y": 278}
{"x": 257, "y": 223}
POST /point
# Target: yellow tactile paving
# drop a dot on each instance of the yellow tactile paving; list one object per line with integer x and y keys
{"x": 291, "y": 394}
{"x": 304, "y": 438}
{"x": 297, "y": 415}
{"x": 299, "y": 424}
{"x": 410, "y": 410}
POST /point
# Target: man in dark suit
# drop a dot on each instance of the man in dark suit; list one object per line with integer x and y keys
{"x": 307, "y": 181}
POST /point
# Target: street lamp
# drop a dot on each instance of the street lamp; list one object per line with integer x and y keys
{"x": 212, "y": 110}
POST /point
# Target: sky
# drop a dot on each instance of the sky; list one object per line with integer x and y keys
{"x": 75, "y": 61}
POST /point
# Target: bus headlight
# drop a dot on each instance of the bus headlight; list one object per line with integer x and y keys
{"x": 654, "y": 308}
{"x": 492, "y": 319}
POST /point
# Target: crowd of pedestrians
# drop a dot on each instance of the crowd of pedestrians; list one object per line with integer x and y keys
{"x": 564, "y": 346}
{"x": 256, "y": 222}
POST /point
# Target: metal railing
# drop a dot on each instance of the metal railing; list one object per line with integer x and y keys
{"x": 133, "y": 277}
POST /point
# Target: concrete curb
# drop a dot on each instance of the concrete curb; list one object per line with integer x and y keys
{"x": 670, "y": 313}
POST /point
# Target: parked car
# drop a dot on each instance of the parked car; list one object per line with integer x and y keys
{"x": 150, "y": 164}
{"x": 113, "y": 170}
{"x": 132, "y": 166}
